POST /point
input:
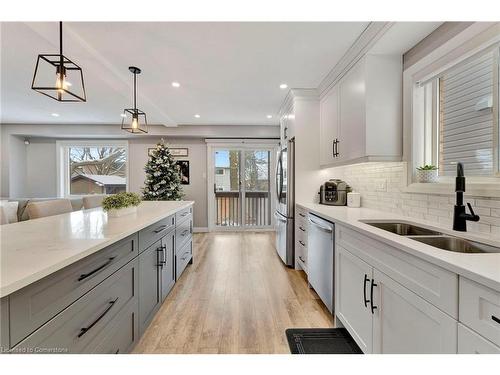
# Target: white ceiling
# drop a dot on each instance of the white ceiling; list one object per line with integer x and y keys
{"x": 229, "y": 72}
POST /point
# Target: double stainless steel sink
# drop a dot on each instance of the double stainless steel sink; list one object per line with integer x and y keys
{"x": 434, "y": 238}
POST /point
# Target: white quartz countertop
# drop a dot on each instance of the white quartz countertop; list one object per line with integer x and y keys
{"x": 483, "y": 268}
{"x": 33, "y": 249}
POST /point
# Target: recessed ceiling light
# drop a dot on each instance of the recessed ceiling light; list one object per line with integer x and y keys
{"x": 197, "y": 116}
{"x": 55, "y": 114}
{"x": 269, "y": 116}
{"x": 283, "y": 86}
{"x": 176, "y": 84}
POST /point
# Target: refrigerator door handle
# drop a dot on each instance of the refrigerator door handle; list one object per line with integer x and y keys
{"x": 279, "y": 171}
{"x": 279, "y": 217}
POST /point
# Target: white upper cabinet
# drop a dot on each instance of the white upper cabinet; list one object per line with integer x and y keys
{"x": 286, "y": 125}
{"x": 352, "y": 137}
{"x": 361, "y": 115}
{"x": 329, "y": 130}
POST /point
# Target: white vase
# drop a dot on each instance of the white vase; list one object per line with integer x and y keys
{"x": 117, "y": 212}
{"x": 427, "y": 175}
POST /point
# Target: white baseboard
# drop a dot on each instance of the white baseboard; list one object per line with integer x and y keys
{"x": 200, "y": 229}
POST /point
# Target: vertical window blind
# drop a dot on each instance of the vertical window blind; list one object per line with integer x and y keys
{"x": 466, "y": 117}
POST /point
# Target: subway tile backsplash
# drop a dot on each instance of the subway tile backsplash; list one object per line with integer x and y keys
{"x": 434, "y": 208}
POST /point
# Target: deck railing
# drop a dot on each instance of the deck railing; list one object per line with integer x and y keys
{"x": 228, "y": 209}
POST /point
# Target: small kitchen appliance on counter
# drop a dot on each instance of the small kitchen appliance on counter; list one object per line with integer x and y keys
{"x": 353, "y": 199}
{"x": 334, "y": 193}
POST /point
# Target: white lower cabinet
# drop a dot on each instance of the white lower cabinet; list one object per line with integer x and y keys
{"x": 469, "y": 342}
{"x": 351, "y": 273}
{"x": 385, "y": 317}
{"x": 403, "y": 322}
{"x": 480, "y": 309}
{"x": 392, "y": 302}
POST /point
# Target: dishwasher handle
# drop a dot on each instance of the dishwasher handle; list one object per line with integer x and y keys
{"x": 322, "y": 227}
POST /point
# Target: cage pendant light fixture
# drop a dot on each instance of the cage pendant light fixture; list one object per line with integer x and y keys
{"x": 133, "y": 119}
{"x": 58, "y": 77}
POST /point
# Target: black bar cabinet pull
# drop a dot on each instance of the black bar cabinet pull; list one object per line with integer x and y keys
{"x": 164, "y": 251}
{"x": 302, "y": 229}
{"x": 495, "y": 319}
{"x": 160, "y": 229}
{"x": 364, "y": 290}
{"x": 333, "y": 148}
{"x": 83, "y": 276}
{"x": 371, "y": 296}
{"x": 159, "y": 258}
{"x": 302, "y": 243}
{"x": 86, "y": 329}
{"x": 337, "y": 147}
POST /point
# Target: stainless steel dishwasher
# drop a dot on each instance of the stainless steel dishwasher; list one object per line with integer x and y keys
{"x": 320, "y": 258}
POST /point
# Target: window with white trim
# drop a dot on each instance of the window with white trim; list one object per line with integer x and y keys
{"x": 92, "y": 167}
{"x": 460, "y": 116}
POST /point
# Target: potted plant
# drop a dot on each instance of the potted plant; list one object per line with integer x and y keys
{"x": 427, "y": 173}
{"x": 121, "y": 204}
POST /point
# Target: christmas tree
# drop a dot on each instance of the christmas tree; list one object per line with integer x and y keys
{"x": 163, "y": 179}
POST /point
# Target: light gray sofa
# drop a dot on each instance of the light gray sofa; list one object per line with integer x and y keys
{"x": 22, "y": 213}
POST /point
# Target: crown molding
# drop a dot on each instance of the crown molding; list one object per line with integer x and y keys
{"x": 370, "y": 35}
{"x": 297, "y": 94}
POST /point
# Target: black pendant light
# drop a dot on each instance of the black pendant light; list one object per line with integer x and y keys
{"x": 134, "y": 120}
{"x": 66, "y": 85}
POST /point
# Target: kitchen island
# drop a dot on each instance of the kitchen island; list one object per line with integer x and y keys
{"x": 83, "y": 282}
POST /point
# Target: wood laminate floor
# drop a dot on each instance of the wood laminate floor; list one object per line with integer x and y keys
{"x": 237, "y": 297}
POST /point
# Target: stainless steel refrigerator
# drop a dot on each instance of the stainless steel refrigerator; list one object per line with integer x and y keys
{"x": 285, "y": 203}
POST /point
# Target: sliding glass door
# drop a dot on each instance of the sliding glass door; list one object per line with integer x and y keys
{"x": 241, "y": 188}
{"x": 227, "y": 188}
{"x": 257, "y": 188}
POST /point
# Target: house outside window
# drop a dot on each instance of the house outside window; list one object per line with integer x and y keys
{"x": 461, "y": 116}
{"x": 92, "y": 167}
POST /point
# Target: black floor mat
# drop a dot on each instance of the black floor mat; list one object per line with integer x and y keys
{"x": 321, "y": 341}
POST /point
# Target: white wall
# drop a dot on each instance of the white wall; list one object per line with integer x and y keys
{"x": 432, "y": 207}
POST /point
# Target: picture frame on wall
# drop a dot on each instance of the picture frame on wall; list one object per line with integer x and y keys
{"x": 175, "y": 151}
{"x": 184, "y": 171}
{"x": 179, "y": 151}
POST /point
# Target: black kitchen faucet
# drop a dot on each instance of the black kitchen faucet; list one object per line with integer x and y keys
{"x": 460, "y": 217}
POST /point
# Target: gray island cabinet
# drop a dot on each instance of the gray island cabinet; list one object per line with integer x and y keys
{"x": 104, "y": 301}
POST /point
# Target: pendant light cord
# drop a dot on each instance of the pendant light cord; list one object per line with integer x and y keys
{"x": 60, "y": 39}
{"x": 135, "y": 92}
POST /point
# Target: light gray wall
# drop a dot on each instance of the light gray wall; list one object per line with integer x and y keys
{"x": 41, "y": 173}
{"x": 30, "y": 171}
{"x": 17, "y": 174}
{"x": 39, "y": 177}
{"x": 197, "y": 188}
{"x": 12, "y": 162}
